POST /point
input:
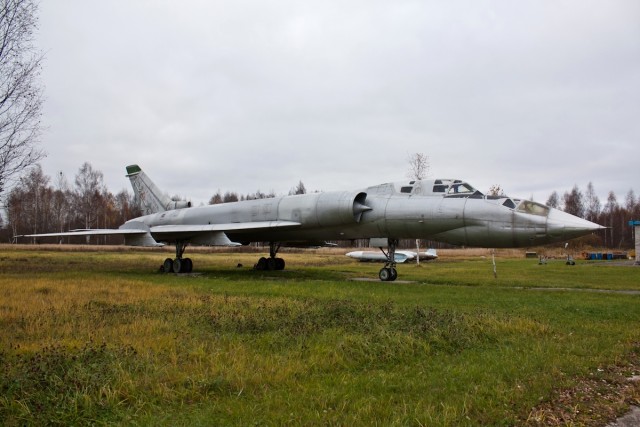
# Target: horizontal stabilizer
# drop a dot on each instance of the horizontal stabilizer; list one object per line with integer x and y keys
{"x": 132, "y": 236}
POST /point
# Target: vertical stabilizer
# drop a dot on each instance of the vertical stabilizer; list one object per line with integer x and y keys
{"x": 151, "y": 199}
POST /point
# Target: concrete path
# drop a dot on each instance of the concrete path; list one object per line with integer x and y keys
{"x": 632, "y": 419}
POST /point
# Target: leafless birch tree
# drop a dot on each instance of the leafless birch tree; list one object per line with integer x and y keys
{"x": 20, "y": 93}
{"x": 418, "y": 166}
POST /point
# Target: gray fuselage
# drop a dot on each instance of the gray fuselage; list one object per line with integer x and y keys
{"x": 449, "y": 211}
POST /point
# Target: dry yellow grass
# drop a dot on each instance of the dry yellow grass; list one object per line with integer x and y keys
{"x": 115, "y": 342}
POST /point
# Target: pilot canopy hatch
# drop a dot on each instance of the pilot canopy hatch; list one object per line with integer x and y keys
{"x": 533, "y": 208}
{"x": 436, "y": 187}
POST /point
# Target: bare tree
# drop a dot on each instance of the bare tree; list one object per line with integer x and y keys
{"x": 88, "y": 192}
{"x": 496, "y": 190}
{"x": 61, "y": 203}
{"x": 592, "y": 204}
{"x": 259, "y": 195}
{"x": 573, "y": 202}
{"x": 612, "y": 203}
{"x": 418, "y": 166}
{"x": 227, "y": 197}
{"x": 20, "y": 94}
{"x": 15, "y": 211}
{"x": 216, "y": 199}
{"x": 230, "y": 197}
{"x": 611, "y": 208}
{"x": 418, "y": 169}
{"x": 554, "y": 200}
{"x": 298, "y": 189}
{"x": 28, "y": 207}
{"x": 126, "y": 207}
{"x": 630, "y": 203}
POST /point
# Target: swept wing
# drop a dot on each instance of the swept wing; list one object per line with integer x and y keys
{"x": 211, "y": 234}
{"x": 139, "y": 234}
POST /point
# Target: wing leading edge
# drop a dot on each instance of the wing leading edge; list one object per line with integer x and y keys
{"x": 89, "y": 232}
{"x": 139, "y": 234}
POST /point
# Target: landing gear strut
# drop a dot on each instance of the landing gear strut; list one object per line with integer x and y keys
{"x": 179, "y": 264}
{"x": 388, "y": 273}
{"x": 272, "y": 263}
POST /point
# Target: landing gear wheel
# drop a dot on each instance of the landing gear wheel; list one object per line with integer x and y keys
{"x": 177, "y": 265}
{"x": 167, "y": 266}
{"x": 261, "y": 265}
{"x": 272, "y": 263}
{"x": 187, "y": 266}
{"x": 388, "y": 274}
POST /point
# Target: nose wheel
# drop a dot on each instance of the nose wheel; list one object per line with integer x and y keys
{"x": 388, "y": 274}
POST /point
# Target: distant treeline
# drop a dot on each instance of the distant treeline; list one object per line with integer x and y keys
{"x": 612, "y": 214}
{"x": 40, "y": 204}
{"x": 35, "y": 205}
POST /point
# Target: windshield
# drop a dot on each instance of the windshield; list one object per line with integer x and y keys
{"x": 533, "y": 208}
{"x": 461, "y": 188}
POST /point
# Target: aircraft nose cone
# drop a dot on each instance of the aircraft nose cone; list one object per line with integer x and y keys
{"x": 562, "y": 224}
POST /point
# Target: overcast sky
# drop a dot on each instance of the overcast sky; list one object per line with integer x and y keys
{"x": 249, "y": 95}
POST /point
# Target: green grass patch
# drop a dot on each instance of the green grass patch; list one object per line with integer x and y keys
{"x": 102, "y": 338}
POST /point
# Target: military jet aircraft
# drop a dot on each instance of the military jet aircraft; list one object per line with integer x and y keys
{"x": 445, "y": 210}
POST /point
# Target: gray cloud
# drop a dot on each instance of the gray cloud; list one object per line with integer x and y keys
{"x": 535, "y": 96}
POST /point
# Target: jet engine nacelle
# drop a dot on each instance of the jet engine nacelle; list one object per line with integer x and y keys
{"x": 340, "y": 208}
{"x": 324, "y": 209}
{"x": 178, "y": 204}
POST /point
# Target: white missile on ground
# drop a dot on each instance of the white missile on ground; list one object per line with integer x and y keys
{"x": 401, "y": 256}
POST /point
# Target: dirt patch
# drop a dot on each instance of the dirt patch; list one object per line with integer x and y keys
{"x": 595, "y": 400}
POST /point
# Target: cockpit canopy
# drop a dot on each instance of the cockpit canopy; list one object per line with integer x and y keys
{"x": 455, "y": 187}
{"x": 438, "y": 187}
{"x": 533, "y": 208}
{"x": 458, "y": 188}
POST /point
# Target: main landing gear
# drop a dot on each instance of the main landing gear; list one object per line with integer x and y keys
{"x": 272, "y": 263}
{"x": 179, "y": 264}
{"x": 388, "y": 273}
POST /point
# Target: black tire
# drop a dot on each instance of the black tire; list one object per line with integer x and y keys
{"x": 261, "y": 265}
{"x": 394, "y": 274}
{"x": 177, "y": 265}
{"x": 167, "y": 266}
{"x": 187, "y": 265}
{"x": 384, "y": 274}
{"x": 280, "y": 264}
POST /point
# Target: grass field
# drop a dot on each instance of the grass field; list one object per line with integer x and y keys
{"x": 100, "y": 337}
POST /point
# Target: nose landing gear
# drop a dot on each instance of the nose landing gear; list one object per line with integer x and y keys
{"x": 388, "y": 273}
